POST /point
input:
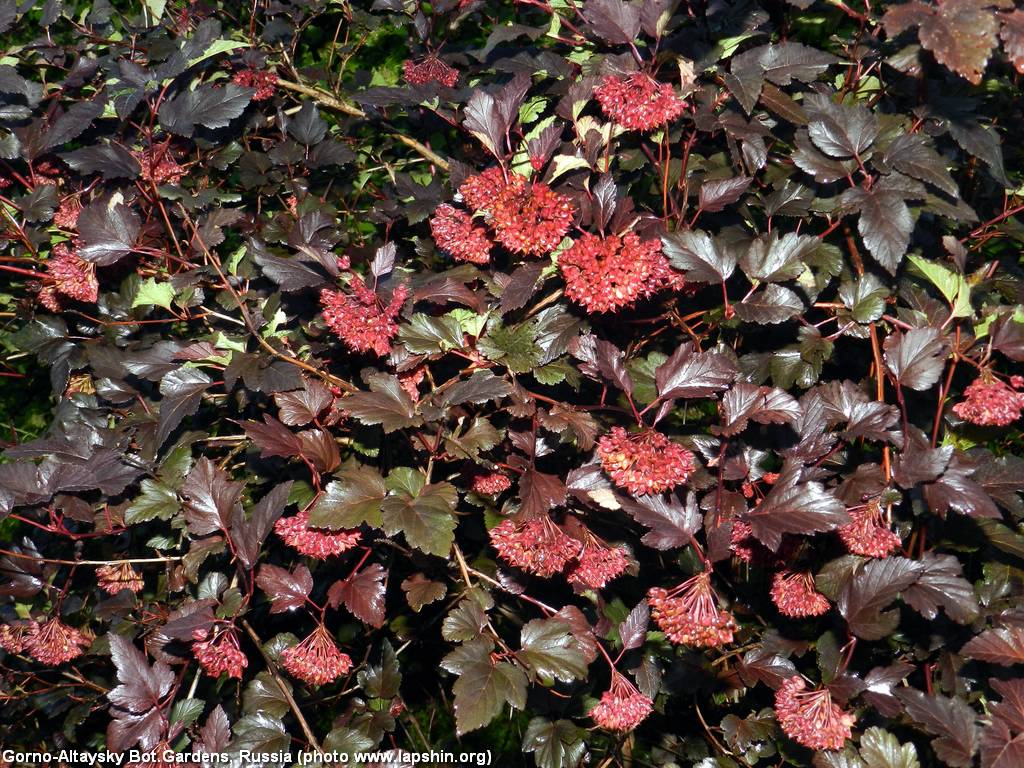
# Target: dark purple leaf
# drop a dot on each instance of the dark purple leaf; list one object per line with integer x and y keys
{"x": 614, "y": 21}
{"x": 633, "y": 631}
{"x": 287, "y": 590}
{"x": 108, "y": 230}
{"x": 700, "y": 256}
{"x": 612, "y": 366}
{"x": 272, "y": 437}
{"x": 950, "y": 719}
{"x": 540, "y": 492}
{"x": 209, "y": 498}
{"x": 302, "y": 406}
{"x": 689, "y": 375}
{"x": 941, "y": 584}
{"x": 874, "y": 586}
{"x": 1003, "y": 646}
{"x": 362, "y": 594}
{"x": 386, "y": 404}
{"x": 672, "y": 523}
{"x": 716, "y": 195}
{"x": 916, "y": 358}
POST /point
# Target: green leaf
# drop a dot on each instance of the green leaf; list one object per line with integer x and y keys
{"x": 215, "y": 48}
{"x": 424, "y": 334}
{"x": 263, "y": 695}
{"x": 152, "y": 293}
{"x": 551, "y": 651}
{"x": 155, "y": 501}
{"x": 186, "y": 711}
{"x": 354, "y": 498}
{"x": 952, "y": 285}
{"x": 484, "y": 687}
{"x": 425, "y": 517}
{"x": 514, "y": 347}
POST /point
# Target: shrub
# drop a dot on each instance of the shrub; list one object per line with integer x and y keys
{"x": 632, "y": 383}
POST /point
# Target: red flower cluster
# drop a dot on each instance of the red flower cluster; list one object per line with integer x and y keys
{"x": 536, "y": 546}
{"x": 622, "y": 706}
{"x": 455, "y": 233}
{"x": 410, "y": 381}
{"x": 742, "y": 541}
{"x": 867, "y": 534}
{"x": 159, "y": 166}
{"x": 319, "y": 543}
{"x": 811, "y": 718}
{"x": 644, "y": 462}
{"x": 54, "y": 642}
{"x": 360, "y": 319}
{"x": 637, "y": 101}
{"x": 316, "y": 660}
{"x": 429, "y": 69}
{"x": 480, "y": 190}
{"x": 66, "y": 215}
{"x": 117, "y": 576}
{"x": 689, "y": 614}
{"x": 607, "y": 274}
{"x": 14, "y": 636}
{"x": 794, "y": 594}
{"x": 264, "y": 82}
{"x": 68, "y": 276}
{"x": 990, "y": 403}
{"x": 491, "y": 484}
{"x": 527, "y": 217}
{"x": 597, "y": 564}
{"x": 219, "y": 653}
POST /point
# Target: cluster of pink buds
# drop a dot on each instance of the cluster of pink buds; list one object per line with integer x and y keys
{"x": 622, "y": 707}
{"x": 811, "y": 718}
{"x": 429, "y": 69}
{"x": 319, "y": 543}
{"x": 528, "y": 218}
{"x": 537, "y": 546}
{"x": 53, "y": 642}
{"x": 607, "y": 274}
{"x": 990, "y": 402}
{"x": 637, "y": 101}
{"x": 645, "y": 462}
{"x": 868, "y": 534}
{"x": 689, "y": 614}
{"x": 491, "y": 483}
{"x": 218, "y": 652}
{"x": 317, "y": 659}
{"x": 455, "y": 234}
{"x": 794, "y": 594}
{"x": 264, "y": 82}
{"x": 114, "y": 577}
{"x": 360, "y": 318}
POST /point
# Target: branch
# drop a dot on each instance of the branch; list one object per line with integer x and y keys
{"x": 272, "y": 668}
{"x": 328, "y": 101}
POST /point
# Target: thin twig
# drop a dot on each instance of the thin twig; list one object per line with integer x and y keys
{"x": 272, "y": 668}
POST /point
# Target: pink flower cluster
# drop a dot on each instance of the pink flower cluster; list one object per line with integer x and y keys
{"x": 540, "y": 546}
{"x": 318, "y": 543}
{"x": 794, "y": 595}
{"x": 455, "y": 233}
{"x": 637, "y": 101}
{"x": 527, "y": 217}
{"x": 264, "y": 82}
{"x": 608, "y": 274}
{"x": 68, "y": 276}
{"x": 53, "y": 642}
{"x": 811, "y": 718}
{"x": 689, "y": 614}
{"x": 491, "y": 484}
{"x": 317, "y": 659}
{"x": 117, "y": 576}
{"x": 159, "y": 166}
{"x": 622, "y": 706}
{"x": 218, "y": 652}
{"x": 644, "y": 462}
{"x": 990, "y": 402}
{"x": 867, "y": 534}
{"x": 360, "y": 319}
{"x": 429, "y": 69}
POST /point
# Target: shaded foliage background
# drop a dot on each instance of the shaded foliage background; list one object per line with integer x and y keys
{"x": 842, "y": 196}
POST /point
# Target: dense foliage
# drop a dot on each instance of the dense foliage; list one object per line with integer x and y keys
{"x": 629, "y": 383}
